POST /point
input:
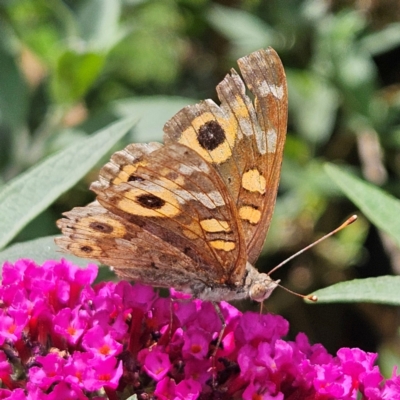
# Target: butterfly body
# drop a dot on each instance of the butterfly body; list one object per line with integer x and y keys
{"x": 255, "y": 285}
{"x": 193, "y": 213}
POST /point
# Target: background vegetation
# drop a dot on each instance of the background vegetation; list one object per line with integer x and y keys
{"x": 69, "y": 68}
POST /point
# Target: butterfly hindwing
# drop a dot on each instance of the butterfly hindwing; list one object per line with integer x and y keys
{"x": 95, "y": 233}
{"x": 171, "y": 193}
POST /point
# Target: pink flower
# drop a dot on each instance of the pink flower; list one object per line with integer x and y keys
{"x": 261, "y": 392}
{"x": 100, "y": 343}
{"x": 165, "y": 389}
{"x": 331, "y": 381}
{"x": 187, "y": 389}
{"x": 11, "y": 325}
{"x": 70, "y": 324}
{"x": 63, "y": 390}
{"x": 196, "y": 343}
{"x": 102, "y": 372}
{"x": 76, "y": 368}
{"x": 254, "y": 328}
{"x": 157, "y": 364}
{"x": 391, "y": 389}
{"x": 17, "y": 394}
{"x": 68, "y": 339}
{"x": 50, "y": 370}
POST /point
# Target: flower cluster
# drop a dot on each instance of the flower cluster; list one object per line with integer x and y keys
{"x": 62, "y": 337}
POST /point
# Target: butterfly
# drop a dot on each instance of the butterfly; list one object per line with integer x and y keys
{"x": 193, "y": 213}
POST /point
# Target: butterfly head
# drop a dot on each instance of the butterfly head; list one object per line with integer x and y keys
{"x": 259, "y": 285}
{"x": 262, "y": 288}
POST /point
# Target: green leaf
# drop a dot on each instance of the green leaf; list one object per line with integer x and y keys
{"x": 39, "y": 250}
{"x": 383, "y": 41}
{"x": 44, "y": 249}
{"x": 340, "y": 58}
{"x": 378, "y": 206}
{"x": 14, "y": 95}
{"x": 74, "y": 74}
{"x": 389, "y": 357}
{"x": 33, "y": 191}
{"x": 99, "y": 23}
{"x": 152, "y": 112}
{"x": 383, "y": 290}
{"x": 314, "y": 103}
{"x": 246, "y": 32}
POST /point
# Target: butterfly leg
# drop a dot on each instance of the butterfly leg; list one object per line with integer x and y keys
{"x": 171, "y": 318}
{"x": 219, "y": 340}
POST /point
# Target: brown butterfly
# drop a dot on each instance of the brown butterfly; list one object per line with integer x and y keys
{"x": 193, "y": 213}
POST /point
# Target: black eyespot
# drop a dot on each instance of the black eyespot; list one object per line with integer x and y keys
{"x": 135, "y": 178}
{"x": 172, "y": 175}
{"x": 86, "y": 249}
{"x": 211, "y": 135}
{"x": 150, "y": 201}
{"x": 101, "y": 227}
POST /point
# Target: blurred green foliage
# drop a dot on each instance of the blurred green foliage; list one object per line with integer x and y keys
{"x": 69, "y": 68}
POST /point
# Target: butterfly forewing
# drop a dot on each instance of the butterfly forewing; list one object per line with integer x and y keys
{"x": 242, "y": 140}
{"x": 264, "y": 75}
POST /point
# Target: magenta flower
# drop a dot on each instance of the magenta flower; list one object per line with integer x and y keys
{"x": 261, "y": 392}
{"x": 99, "y": 343}
{"x": 70, "y": 324}
{"x": 156, "y": 363}
{"x": 391, "y": 389}
{"x": 61, "y": 337}
{"x": 102, "y": 373}
{"x": 63, "y": 390}
{"x": 49, "y": 371}
{"x": 11, "y": 325}
{"x": 77, "y": 367}
{"x": 196, "y": 343}
{"x": 186, "y": 390}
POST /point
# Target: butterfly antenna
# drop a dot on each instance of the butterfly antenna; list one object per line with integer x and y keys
{"x": 348, "y": 222}
{"x": 311, "y": 297}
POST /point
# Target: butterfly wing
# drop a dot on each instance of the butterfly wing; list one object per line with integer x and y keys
{"x": 171, "y": 212}
{"x": 95, "y": 233}
{"x": 264, "y": 75}
{"x": 241, "y": 140}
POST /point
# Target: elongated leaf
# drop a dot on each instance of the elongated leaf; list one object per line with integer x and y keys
{"x": 44, "y": 249}
{"x": 39, "y": 250}
{"x": 74, "y": 75}
{"x": 245, "y": 31}
{"x": 13, "y": 89}
{"x": 382, "y": 40}
{"x": 384, "y": 290}
{"x": 33, "y": 191}
{"x": 379, "y": 207}
{"x": 314, "y": 102}
{"x": 98, "y": 23}
{"x": 152, "y": 111}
